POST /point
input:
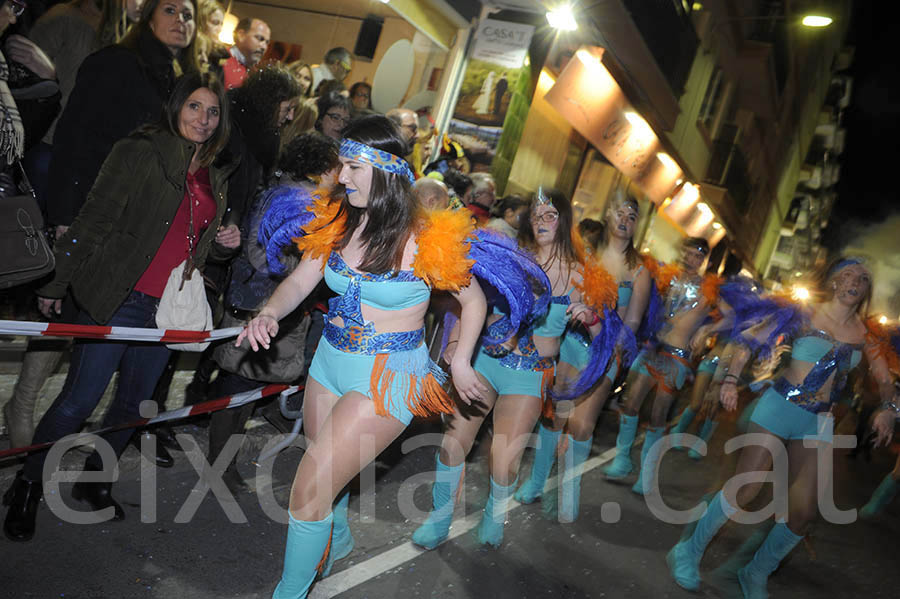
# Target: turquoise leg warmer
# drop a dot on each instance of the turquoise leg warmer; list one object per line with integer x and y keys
{"x": 882, "y": 496}
{"x": 648, "y": 461}
{"x": 621, "y": 465}
{"x": 570, "y": 484}
{"x": 706, "y": 432}
{"x": 544, "y": 456}
{"x": 687, "y": 417}
{"x": 490, "y": 531}
{"x": 306, "y": 544}
{"x": 684, "y": 558}
{"x": 341, "y": 539}
{"x": 754, "y": 576}
{"x": 436, "y": 527}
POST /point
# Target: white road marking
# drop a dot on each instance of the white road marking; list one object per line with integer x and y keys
{"x": 375, "y": 566}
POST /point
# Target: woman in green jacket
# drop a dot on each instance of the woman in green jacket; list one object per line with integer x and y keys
{"x": 115, "y": 260}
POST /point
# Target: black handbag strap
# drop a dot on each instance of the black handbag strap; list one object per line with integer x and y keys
{"x": 28, "y": 188}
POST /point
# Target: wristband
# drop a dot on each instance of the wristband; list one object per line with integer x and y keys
{"x": 595, "y": 321}
{"x": 893, "y": 407}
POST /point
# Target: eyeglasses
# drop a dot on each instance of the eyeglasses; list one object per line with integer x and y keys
{"x": 17, "y": 7}
{"x": 547, "y": 217}
{"x": 361, "y": 95}
{"x": 338, "y": 118}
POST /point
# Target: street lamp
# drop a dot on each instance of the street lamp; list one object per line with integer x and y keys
{"x": 562, "y": 18}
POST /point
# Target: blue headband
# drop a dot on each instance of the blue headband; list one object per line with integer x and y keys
{"x": 386, "y": 161}
{"x": 844, "y": 264}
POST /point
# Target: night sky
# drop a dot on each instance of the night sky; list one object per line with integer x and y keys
{"x": 869, "y": 187}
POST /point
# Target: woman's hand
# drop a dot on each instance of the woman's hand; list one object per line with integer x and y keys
{"x": 49, "y": 307}
{"x": 883, "y": 425}
{"x": 259, "y": 332}
{"x": 24, "y": 51}
{"x": 698, "y": 341}
{"x": 728, "y": 396}
{"x": 580, "y": 312}
{"x": 467, "y": 383}
{"x": 229, "y": 237}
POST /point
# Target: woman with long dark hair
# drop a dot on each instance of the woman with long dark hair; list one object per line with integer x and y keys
{"x": 517, "y": 373}
{"x": 371, "y": 372}
{"x": 827, "y": 339}
{"x": 617, "y": 254}
{"x": 158, "y": 199}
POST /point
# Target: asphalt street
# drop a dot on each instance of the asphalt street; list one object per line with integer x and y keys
{"x": 197, "y": 546}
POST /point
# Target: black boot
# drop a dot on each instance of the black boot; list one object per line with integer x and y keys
{"x": 165, "y": 437}
{"x": 22, "y": 498}
{"x": 162, "y": 458}
{"x": 97, "y": 495}
{"x": 197, "y": 391}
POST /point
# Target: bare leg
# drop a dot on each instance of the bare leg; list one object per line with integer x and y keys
{"x": 583, "y": 419}
{"x": 461, "y": 428}
{"x": 350, "y": 438}
{"x": 639, "y": 385}
{"x": 514, "y": 419}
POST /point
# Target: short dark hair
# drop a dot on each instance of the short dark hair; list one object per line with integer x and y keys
{"x": 697, "y": 242}
{"x": 309, "y": 154}
{"x": 392, "y": 208}
{"x": 336, "y": 54}
{"x": 184, "y": 87}
{"x": 329, "y": 101}
{"x": 513, "y": 202}
{"x": 459, "y": 182}
{"x": 244, "y": 24}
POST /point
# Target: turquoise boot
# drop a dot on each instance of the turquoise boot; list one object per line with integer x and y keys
{"x": 684, "y": 558}
{"x": 436, "y": 527}
{"x": 305, "y": 550}
{"x": 882, "y": 496}
{"x": 490, "y": 531}
{"x": 341, "y": 539}
{"x": 754, "y": 576}
{"x": 621, "y": 465}
{"x": 649, "y": 456}
{"x": 544, "y": 456}
{"x": 570, "y": 483}
{"x": 706, "y": 432}
{"x": 687, "y": 417}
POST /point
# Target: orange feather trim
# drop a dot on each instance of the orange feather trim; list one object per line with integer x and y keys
{"x": 878, "y": 340}
{"x": 665, "y": 275}
{"x": 442, "y": 253}
{"x": 326, "y": 229}
{"x": 710, "y": 289}
{"x": 598, "y": 288}
{"x": 426, "y": 401}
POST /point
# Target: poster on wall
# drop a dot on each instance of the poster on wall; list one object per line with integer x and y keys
{"x": 495, "y": 65}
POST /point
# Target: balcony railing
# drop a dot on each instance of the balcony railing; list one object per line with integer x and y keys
{"x": 670, "y": 36}
{"x": 728, "y": 169}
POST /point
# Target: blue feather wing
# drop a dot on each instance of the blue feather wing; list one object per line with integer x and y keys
{"x": 284, "y": 220}
{"x": 511, "y": 278}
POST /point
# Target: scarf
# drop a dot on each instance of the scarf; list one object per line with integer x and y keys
{"x": 12, "y": 133}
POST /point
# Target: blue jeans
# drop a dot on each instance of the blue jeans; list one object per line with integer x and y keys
{"x": 91, "y": 366}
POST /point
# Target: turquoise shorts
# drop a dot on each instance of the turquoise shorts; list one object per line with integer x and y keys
{"x": 574, "y": 353}
{"x": 508, "y": 381}
{"x": 708, "y": 365}
{"x": 788, "y": 420}
{"x": 669, "y": 371}
{"x": 341, "y": 372}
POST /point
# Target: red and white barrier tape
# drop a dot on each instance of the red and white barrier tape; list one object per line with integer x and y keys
{"x": 213, "y": 405}
{"x": 81, "y": 331}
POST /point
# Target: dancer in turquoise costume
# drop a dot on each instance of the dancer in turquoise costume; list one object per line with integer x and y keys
{"x": 519, "y": 372}
{"x": 827, "y": 340}
{"x": 574, "y": 421}
{"x": 371, "y": 373}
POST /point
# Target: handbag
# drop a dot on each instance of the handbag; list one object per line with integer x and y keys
{"x": 183, "y": 304}
{"x": 283, "y": 362}
{"x": 23, "y": 242}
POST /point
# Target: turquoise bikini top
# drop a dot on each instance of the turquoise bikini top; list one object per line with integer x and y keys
{"x": 553, "y": 323}
{"x": 625, "y": 289}
{"x": 813, "y": 346}
{"x": 388, "y": 291}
